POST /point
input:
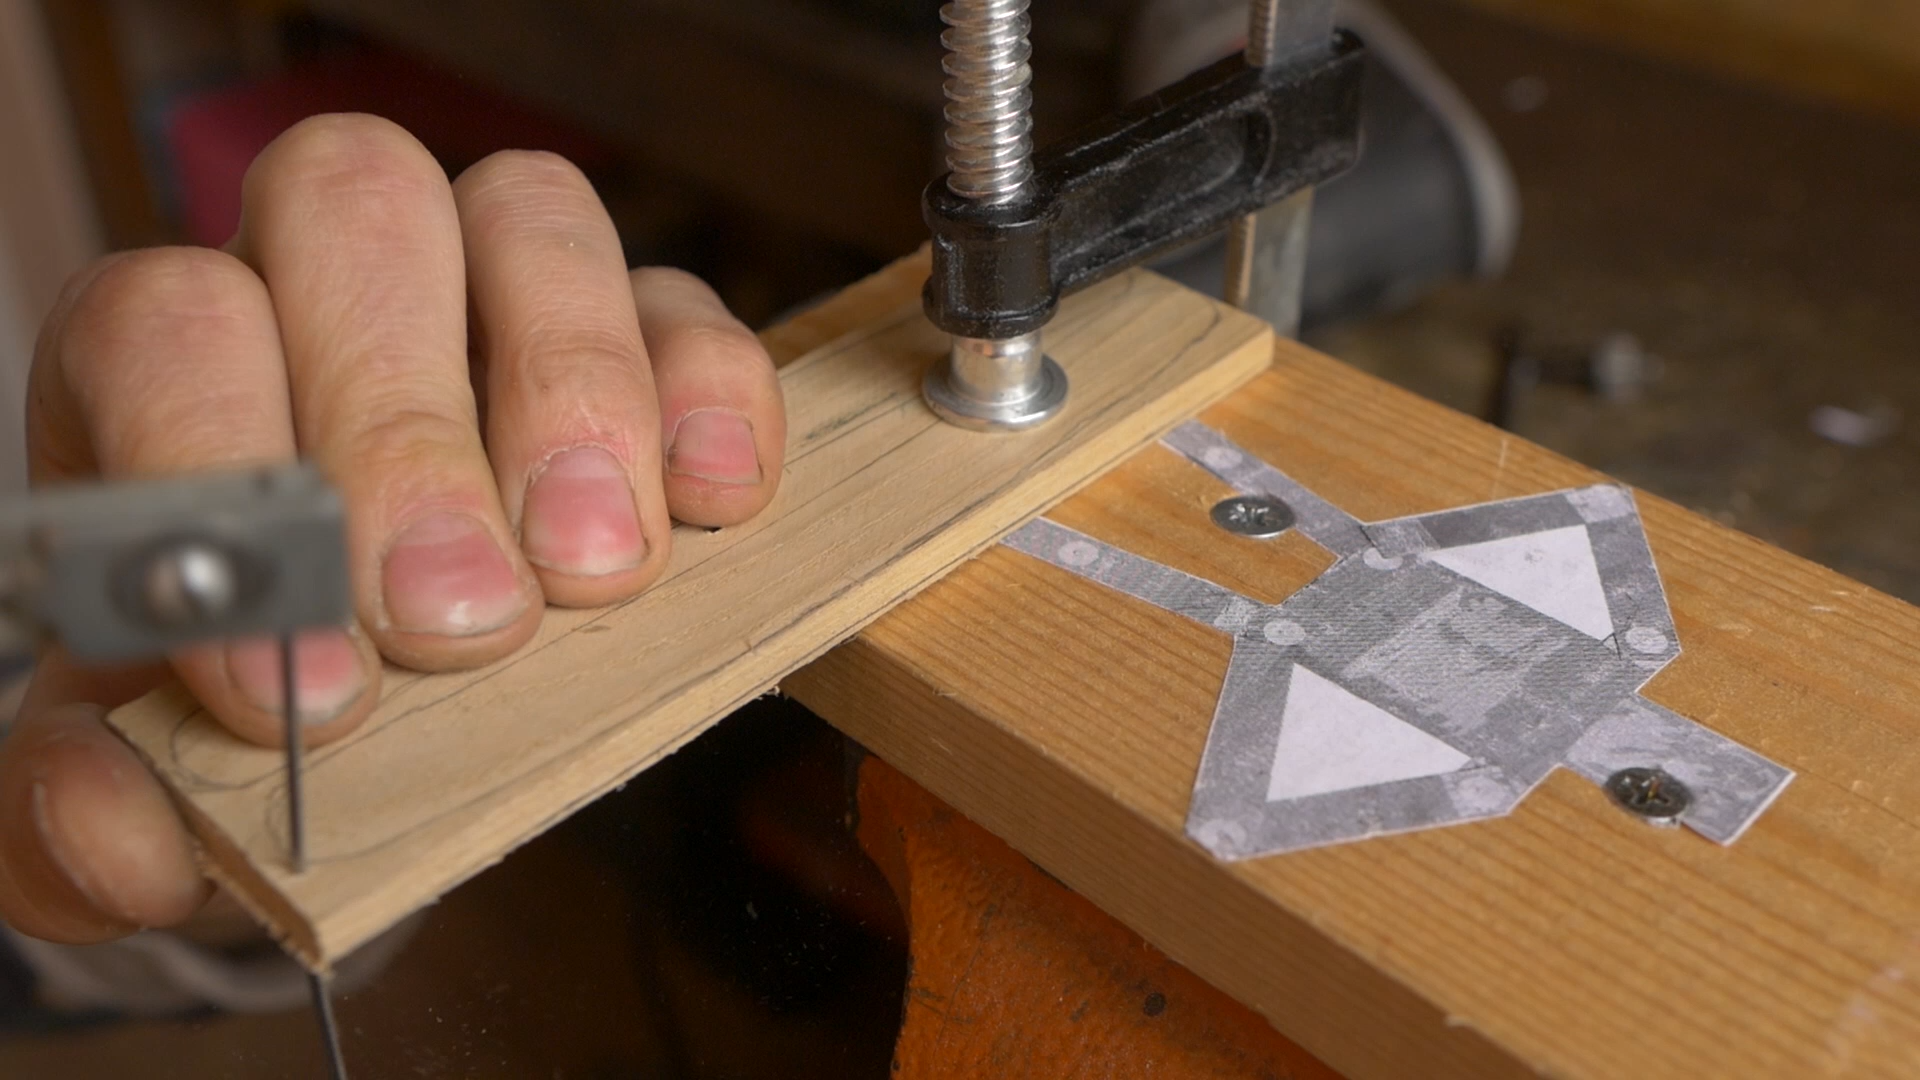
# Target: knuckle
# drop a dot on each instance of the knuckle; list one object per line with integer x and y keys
{"x": 347, "y": 152}
{"x": 410, "y": 440}
{"x": 522, "y": 172}
{"x": 54, "y": 330}
{"x": 674, "y": 281}
{"x": 686, "y": 322}
{"x": 714, "y": 346}
{"x": 180, "y": 292}
{"x": 538, "y": 196}
{"x": 566, "y": 357}
{"x": 149, "y": 366}
{"x": 164, "y": 445}
{"x": 346, "y": 138}
{"x": 187, "y": 279}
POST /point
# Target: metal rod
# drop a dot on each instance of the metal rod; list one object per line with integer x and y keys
{"x": 297, "y": 846}
{"x": 1267, "y": 251}
{"x": 329, "y": 1027}
{"x": 1267, "y": 261}
{"x": 1240, "y": 235}
{"x": 296, "y": 804}
{"x": 1263, "y": 19}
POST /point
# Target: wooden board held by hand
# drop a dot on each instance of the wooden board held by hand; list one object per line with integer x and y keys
{"x": 879, "y": 499}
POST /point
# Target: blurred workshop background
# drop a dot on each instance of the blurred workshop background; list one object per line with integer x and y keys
{"x": 1676, "y": 240}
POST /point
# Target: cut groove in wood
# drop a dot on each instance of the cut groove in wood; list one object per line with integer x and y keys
{"x": 878, "y": 500}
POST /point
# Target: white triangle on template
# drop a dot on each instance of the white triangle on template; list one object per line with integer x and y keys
{"x": 1552, "y": 572}
{"x": 1332, "y": 740}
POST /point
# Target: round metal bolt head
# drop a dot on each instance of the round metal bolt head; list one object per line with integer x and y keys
{"x": 1654, "y": 794}
{"x": 1257, "y": 516}
{"x": 189, "y": 583}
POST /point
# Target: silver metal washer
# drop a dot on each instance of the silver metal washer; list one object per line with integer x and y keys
{"x": 989, "y": 385}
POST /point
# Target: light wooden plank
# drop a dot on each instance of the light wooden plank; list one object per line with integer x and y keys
{"x": 878, "y": 499}
{"x": 1567, "y": 938}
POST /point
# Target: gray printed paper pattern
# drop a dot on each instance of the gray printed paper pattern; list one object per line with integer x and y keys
{"x": 1436, "y": 673}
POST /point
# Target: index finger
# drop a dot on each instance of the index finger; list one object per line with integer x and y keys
{"x": 166, "y": 362}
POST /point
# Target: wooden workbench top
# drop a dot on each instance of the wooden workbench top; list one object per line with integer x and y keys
{"x": 1568, "y": 938}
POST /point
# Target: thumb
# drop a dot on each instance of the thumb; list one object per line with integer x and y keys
{"x": 91, "y": 847}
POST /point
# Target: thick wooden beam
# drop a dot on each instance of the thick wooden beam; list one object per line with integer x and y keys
{"x": 1568, "y": 938}
{"x": 879, "y": 498}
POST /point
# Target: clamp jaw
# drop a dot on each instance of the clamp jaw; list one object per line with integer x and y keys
{"x": 1169, "y": 169}
{"x": 1014, "y": 231}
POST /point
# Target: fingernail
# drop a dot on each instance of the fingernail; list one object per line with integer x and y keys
{"x": 580, "y": 518}
{"x": 714, "y": 444}
{"x": 325, "y": 663}
{"x": 445, "y": 575}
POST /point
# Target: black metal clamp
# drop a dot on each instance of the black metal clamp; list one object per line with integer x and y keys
{"x": 1168, "y": 169}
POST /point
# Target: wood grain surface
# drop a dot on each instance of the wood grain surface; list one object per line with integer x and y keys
{"x": 1569, "y": 938}
{"x": 879, "y": 498}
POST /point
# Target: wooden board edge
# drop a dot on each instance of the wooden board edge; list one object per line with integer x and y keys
{"x": 881, "y": 702}
{"x": 228, "y": 868}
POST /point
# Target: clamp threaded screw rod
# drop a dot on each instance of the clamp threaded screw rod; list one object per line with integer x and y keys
{"x": 987, "y": 384}
{"x": 989, "y": 91}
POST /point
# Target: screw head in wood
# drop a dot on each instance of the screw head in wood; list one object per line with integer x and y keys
{"x": 1258, "y": 516}
{"x": 1654, "y": 794}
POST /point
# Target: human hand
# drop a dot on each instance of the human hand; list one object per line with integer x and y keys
{"x": 511, "y": 417}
